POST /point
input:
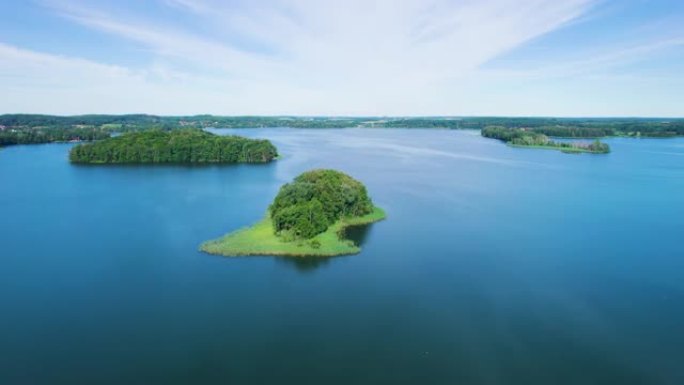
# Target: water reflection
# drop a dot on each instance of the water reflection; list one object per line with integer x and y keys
{"x": 357, "y": 234}
{"x": 305, "y": 264}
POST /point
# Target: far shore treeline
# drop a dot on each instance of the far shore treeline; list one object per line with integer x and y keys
{"x": 38, "y": 135}
{"x": 178, "y": 146}
{"x": 528, "y": 131}
{"x": 31, "y": 128}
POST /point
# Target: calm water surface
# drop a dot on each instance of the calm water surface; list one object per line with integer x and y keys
{"x": 495, "y": 266}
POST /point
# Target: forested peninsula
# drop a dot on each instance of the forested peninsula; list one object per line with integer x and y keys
{"x": 178, "y": 146}
{"x": 12, "y": 136}
{"x": 306, "y": 218}
{"x": 520, "y": 137}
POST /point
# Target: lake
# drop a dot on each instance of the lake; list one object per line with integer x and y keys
{"x": 496, "y": 265}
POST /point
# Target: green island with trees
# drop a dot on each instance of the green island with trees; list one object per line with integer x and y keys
{"x": 520, "y": 137}
{"x": 307, "y": 218}
{"x": 178, "y": 146}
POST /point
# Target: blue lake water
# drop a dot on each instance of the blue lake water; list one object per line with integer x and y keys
{"x": 496, "y": 265}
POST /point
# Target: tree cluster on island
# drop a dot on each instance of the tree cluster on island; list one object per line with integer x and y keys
{"x": 307, "y": 218}
{"x": 314, "y": 201}
{"x": 530, "y": 138}
{"x": 178, "y": 146}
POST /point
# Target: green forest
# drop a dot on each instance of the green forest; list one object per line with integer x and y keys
{"x": 531, "y": 138}
{"x": 178, "y": 146}
{"x": 315, "y": 200}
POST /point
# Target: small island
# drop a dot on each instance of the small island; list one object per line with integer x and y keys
{"x": 520, "y": 137}
{"x": 186, "y": 146}
{"x": 307, "y": 218}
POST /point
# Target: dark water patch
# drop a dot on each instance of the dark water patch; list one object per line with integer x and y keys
{"x": 305, "y": 264}
{"x": 357, "y": 234}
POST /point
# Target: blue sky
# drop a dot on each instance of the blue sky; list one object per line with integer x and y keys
{"x": 353, "y": 57}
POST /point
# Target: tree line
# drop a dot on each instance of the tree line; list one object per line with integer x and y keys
{"x": 560, "y": 127}
{"x": 43, "y": 135}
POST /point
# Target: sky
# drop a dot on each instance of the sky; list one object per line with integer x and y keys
{"x": 343, "y": 58}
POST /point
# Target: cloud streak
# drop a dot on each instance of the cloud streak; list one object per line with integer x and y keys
{"x": 352, "y": 46}
{"x": 355, "y": 57}
{"x": 598, "y": 62}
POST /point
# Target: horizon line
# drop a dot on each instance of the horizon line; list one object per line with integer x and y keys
{"x": 357, "y": 116}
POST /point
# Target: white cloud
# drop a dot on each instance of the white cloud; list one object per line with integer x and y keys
{"x": 167, "y": 41}
{"x": 595, "y": 63}
{"x": 38, "y": 82}
{"x": 413, "y": 57}
{"x": 53, "y": 70}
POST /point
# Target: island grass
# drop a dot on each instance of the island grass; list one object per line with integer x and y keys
{"x": 260, "y": 239}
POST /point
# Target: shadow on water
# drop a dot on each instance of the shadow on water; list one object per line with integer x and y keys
{"x": 305, "y": 264}
{"x": 357, "y": 234}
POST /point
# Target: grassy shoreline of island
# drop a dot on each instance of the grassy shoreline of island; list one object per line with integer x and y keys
{"x": 260, "y": 239}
